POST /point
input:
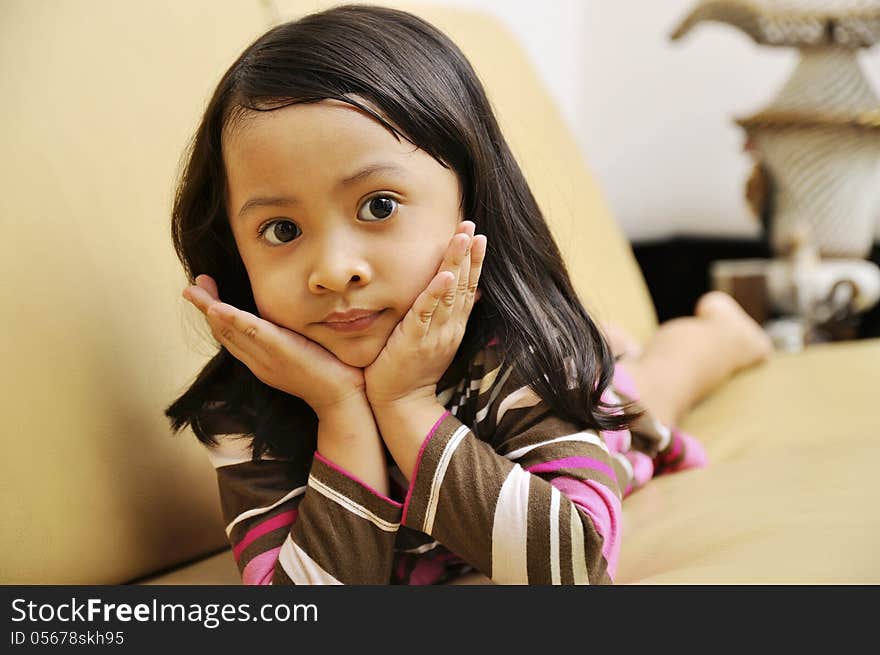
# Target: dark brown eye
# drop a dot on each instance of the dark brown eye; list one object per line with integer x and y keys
{"x": 280, "y": 232}
{"x": 379, "y": 207}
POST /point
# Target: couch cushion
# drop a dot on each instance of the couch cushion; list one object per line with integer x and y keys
{"x": 99, "y": 101}
{"x": 215, "y": 569}
{"x": 826, "y": 393}
{"x": 790, "y": 494}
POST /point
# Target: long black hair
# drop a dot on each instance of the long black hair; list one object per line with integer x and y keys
{"x": 432, "y": 97}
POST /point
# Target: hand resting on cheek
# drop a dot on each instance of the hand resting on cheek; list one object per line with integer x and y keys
{"x": 281, "y": 358}
{"x": 424, "y": 343}
{"x": 429, "y": 335}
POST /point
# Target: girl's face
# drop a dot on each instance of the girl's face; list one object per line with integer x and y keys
{"x": 331, "y": 213}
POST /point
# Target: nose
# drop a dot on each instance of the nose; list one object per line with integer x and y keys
{"x": 337, "y": 265}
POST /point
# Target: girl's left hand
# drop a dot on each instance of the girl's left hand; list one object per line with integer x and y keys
{"x": 423, "y": 344}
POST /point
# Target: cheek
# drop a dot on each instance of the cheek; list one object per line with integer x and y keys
{"x": 277, "y": 304}
{"x": 416, "y": 272}
{"x": 265, "y": 301}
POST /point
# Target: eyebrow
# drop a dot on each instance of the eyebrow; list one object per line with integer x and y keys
{"x": 288, "y": 201}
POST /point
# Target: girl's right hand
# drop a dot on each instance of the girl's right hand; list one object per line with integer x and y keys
{"x": 281, "y": 358}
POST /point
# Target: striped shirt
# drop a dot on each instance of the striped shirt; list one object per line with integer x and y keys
{"x": 501, "y": 486}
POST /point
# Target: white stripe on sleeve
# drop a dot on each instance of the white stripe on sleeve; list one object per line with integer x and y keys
{"x": 439, "y": 474}
{"x": 555, "y": 576}
{"x": 590, "y": 437}
{"x": 301, "y": 568}
{"x": 510, "y": 530}
{"x": 522, "y": 397}
{"x": 348, "y": 504}
{"x": 578, "y": 556}
{"x": 262, "y": 510}
{"x": 493, "y": 395}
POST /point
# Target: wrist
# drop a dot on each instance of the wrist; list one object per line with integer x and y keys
{"x": 404, "y": 423}
{"x": 349, "y": 439}
{"x": 416, "y": 398}
{"x": 352, "y": 403}
{"x": 401, "y": 409}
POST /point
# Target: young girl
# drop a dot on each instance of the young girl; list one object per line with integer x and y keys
{"x": 396, "y": 398}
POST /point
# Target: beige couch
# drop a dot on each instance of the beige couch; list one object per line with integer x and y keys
{"x": 100, "y": 99}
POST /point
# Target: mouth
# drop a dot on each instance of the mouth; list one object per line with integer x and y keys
{"x": 355, "y": 324}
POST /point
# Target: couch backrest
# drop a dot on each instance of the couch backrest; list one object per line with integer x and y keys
{"x": 100, "y": 100}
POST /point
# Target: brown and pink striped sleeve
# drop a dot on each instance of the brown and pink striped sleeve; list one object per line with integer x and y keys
{"x": 329, "y": 528}
{"x": 537, "y": 502}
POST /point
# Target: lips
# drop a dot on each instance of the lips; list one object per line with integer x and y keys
{"x": 349, "y": 316}
{"x": 352, "y": 321}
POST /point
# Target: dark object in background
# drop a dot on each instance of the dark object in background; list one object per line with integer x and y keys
{"x": 676, "y": 271}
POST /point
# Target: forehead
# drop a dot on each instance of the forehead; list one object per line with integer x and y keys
{"x": 313, "y": 147}
{"x": 309, "y": 131}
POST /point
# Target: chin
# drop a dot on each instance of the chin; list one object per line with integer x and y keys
{"x": 359, "y": 356}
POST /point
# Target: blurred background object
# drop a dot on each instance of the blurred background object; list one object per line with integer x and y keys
{"x": 801, "y": 298}
{"x": 817, "y": 144}
{"x": 816, "y": 151}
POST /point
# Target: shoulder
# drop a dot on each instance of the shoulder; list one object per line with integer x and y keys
{"x": 508, "y": 403}
{"x": 499, "y": 392}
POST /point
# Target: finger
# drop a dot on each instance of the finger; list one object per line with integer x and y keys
{"x": 225, "y": 335}
{"x": 207, "y": 283}
{"x": 456, "y": 253}
{"x": 418, "y": 320}
{"x": 461, "y": 288}
{"x": 227, "y": 324}
{"x": 200, "y": 298}
{"x": 247, "y": 332}
{"x": 478, "y": 256}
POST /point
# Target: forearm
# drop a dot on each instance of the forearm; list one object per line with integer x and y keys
{"x": 348, "y": 437}
{"x": 404, "y": 425}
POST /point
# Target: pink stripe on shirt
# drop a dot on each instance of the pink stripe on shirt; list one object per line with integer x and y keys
{"x": 260, "y": 569}
{"x": 602, "y": 505}
{"x": 618, "y": 441}
{"x": 280, "y": 521}
{"x": 426, "y": 572}
{"x": 573, "y": 463}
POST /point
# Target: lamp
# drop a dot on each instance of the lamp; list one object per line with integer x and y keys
{"x": 816, "y": 147}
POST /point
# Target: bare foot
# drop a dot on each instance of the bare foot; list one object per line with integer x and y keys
{"x": 621, "y": 341}
{"x": 749, "y": 343}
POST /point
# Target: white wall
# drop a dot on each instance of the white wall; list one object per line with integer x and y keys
{"x": 655, "y": 118}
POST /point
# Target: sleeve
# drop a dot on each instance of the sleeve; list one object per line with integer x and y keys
{"x": 539, "y": 503}
{"x": 329, "y": 529}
